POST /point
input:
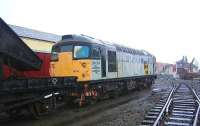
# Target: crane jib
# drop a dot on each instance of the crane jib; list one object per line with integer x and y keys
{"x": 14, "y": 52}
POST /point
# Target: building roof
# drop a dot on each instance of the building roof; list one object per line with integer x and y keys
{"x": 30, "y": 33}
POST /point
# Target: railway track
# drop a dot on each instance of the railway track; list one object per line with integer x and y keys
{"x": 178, "y": 107}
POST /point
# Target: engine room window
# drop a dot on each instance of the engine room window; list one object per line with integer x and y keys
{"x": 81, "y": 52}
{"x": 142, "y": 60}
{"x": 112, "y": 61}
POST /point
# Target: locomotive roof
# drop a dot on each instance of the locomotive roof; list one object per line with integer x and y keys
{"x": 88, "y": 39}
{"x": 80, "y": 38}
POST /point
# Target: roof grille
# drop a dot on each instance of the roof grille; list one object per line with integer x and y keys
{"x": 67, "y": 37}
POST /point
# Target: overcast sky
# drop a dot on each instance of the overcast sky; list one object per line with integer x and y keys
{"x": 168, "y": 29}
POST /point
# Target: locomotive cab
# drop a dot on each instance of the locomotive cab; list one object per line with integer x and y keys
{"x": 76, "y": 58}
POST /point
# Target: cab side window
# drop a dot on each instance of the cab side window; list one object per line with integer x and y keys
{"x": 96, "y": 53}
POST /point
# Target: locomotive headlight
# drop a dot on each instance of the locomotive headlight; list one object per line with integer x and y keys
{"x": 83, "y": 75}
{"x": 83, "y": 65}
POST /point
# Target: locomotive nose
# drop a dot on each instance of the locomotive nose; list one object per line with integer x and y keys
{"x": 61, "y": 64}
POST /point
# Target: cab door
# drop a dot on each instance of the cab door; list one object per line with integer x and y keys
{"x": 96, "y": 63}
{"x": 146, "y": 68}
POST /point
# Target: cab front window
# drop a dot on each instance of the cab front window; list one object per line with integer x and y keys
{"x": 66, "y": 48}
{"x": 60, "y": 48}
{"x": 81, "y": 52}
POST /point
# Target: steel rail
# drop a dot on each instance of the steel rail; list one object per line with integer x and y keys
{"x": 167, "y": 109}
{"x": 164, "y": 108}
{"x": 198, "y": 109}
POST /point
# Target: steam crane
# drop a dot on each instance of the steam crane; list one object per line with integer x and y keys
{"x": 194, "y": 66}
{"x": 187, "y": 70}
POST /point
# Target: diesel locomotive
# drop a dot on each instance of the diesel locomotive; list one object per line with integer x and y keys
{"x": 101, "y": 67}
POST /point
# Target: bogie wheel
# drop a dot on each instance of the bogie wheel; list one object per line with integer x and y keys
{"x": 93, "y": 100}
{"x": 114, "y": 94}
{"x": 145, "y": 85}
{"x": 38, "y": 109}
{"x": 70, "y": 101}
{"x": 14, "y": 113}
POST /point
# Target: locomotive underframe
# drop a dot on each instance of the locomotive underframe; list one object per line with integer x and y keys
{"x": 100, "y": 89}
{"x": 22, "y": 93}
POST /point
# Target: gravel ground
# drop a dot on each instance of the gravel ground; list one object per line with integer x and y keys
{"x": 196, "y": 86}
{"x": 131, "y": 113}
{"x": 127, "y": 110}
{"x": 127, "y": 114}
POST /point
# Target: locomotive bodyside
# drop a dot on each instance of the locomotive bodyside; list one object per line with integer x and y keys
{"x": 134, "y": 63}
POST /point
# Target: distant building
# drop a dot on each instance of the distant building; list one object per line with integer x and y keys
{"x": 36, "y": 40}
{"x": 165, "y": 68}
